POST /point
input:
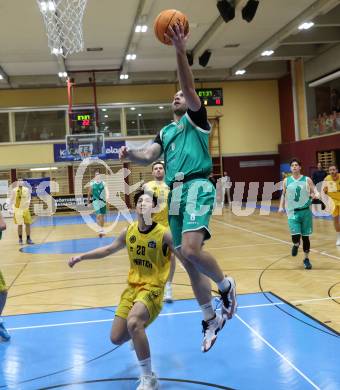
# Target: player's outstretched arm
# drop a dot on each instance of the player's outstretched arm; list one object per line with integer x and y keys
{"x": 89, "y": 194}
{"x": 313, "y": 190}
{"x": 99, "y": 253}
{"x": 282, "y": 200}
{"x": 142, "y": 157}
{"x": 186, "y": 79}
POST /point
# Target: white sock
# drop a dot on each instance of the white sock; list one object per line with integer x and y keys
{"x": 223, "y": 285}
{"x": 145, "y": 366}
{"x": 208, "y": 311}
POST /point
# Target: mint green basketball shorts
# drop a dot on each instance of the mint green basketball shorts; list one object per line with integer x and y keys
{"x": 190, "y": 208}
{"x": 301, "y": 222}
{"x": 99, "y": 207}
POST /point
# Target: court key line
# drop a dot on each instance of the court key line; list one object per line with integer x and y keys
{"x": 292, "y": 365}
{"x": 164, "y": 314}
{"x": 273, "y": 238}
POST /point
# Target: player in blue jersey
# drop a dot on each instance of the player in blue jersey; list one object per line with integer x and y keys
{"x": 185, "y": 144}
{"x": 297, "y": 195}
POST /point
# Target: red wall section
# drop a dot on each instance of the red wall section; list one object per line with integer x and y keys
{"x": 307, "y": 150}
{"x": 252, "y": 174}
{"x": 286, "y": 109}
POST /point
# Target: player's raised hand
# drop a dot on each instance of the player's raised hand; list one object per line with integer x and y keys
{"x": 177, "y": 36}
{"x": 74, "y": 260}
{"x": 123, "y": 152}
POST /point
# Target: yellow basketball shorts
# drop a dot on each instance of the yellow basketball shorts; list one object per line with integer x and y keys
{"x": 152, "y": 297}
{"x": 22, "y": 217}
{"x": 2, "y": 283}
{"x": 336, "y": 210}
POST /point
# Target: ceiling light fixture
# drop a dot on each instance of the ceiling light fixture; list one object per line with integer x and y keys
{"x": 249, "y": 10}
{"x": 226, "y": 9}
{"x": 190, "y": 57}
{"x": 204, "y": 58}
{"x": 132, "y": 108}
{"x": 141, "y": 28}
{"x": 124, "y": 76}
{"x": 161, "y": 107}
{"x": 306, "y": 26}
{"x": 131, "y": 57}
{"x": 325, "y": 79}
{"x": 44, "y": 169}
{"x": 62, "y": 74}
{"x": 240, "y": 72}
{"x": 267, "y": 53}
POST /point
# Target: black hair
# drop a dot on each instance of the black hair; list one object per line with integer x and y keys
{"x": 295, "y": 160}
{"x": 141, "y": 192}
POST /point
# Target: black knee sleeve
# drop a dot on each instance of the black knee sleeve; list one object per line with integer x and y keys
{"x": 296, "y": 238}
{"x": 306, "y": 244}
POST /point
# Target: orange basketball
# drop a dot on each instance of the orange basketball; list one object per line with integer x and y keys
{"x": 167, "y": 18}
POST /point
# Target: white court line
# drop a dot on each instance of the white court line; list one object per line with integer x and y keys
{"x": 238, "y": 246}
{"x": 292, "y": 302}
{"x": 272, "y": 238}
{"x": 167, "y": 314}
{"x": 277, "y": 352}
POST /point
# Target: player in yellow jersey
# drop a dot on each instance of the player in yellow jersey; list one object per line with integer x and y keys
{"x": 161, "y": 190}
{"x": 148, "y": 249}
{"x": 20, "y": 202}
{"x": 331, "y": 187}
{"x": 4, "y": 335}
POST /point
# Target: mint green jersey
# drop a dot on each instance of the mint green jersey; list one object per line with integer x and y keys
{"x": 186, "y": 150}
{"x": 98, "y": 190}
{"x": 297, "y": 193}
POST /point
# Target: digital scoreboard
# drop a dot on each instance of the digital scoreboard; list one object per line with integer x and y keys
{"x": 211, "y": 96}
{"x": 83, "y": 118}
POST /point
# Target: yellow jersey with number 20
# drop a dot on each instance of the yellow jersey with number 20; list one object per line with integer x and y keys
{"x": 148, "y": 264}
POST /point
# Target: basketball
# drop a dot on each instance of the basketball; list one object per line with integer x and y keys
{"x": 168, "y": 18}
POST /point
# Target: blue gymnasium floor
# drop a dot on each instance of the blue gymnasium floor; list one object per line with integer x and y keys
{"x": 60, "y": 220}
{"x": 266, "y": 346}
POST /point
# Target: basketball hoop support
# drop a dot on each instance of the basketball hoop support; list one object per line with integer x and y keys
{"x": 92, "y": 82}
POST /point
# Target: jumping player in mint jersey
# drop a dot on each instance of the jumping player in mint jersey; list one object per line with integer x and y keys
{"x": 99, "y": 193}
{"x": 185, "y": 144}
{"x": 297, "y": 195}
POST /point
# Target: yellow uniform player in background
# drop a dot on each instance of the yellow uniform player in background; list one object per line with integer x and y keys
{"x": 20, "y": 202}
{"x": 161, "y": 190}
{"x": 140, "y": 303}
{"x": 4, "y": 335}
{"x": 331, "y": 186}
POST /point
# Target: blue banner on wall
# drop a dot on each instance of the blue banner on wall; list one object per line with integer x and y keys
{"x": 111, "y": 151}
{"x": 34, "y": 183}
